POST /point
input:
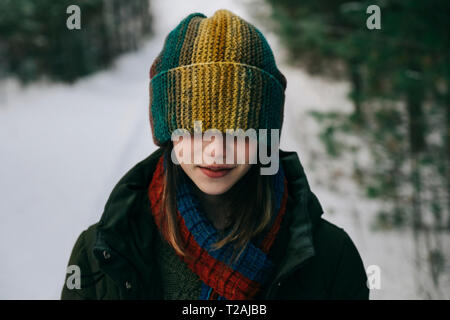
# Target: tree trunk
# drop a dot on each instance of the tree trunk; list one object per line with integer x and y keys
{"x": 447, "y": 147}
{"x": 417, "y": 146}
{"x": 416, "y": 128}
{"x": 357, "y": 93}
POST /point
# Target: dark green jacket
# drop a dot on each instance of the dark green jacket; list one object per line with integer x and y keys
{"x": 315, "y": 259}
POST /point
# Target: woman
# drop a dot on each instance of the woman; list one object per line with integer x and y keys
{"x": 176, "y": 227}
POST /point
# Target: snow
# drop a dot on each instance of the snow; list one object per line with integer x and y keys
{"x": 63, "y": 148}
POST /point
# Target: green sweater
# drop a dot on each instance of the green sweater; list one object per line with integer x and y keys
{"x": 178, "y": 281}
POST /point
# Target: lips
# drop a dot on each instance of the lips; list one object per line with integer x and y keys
{"x": 216, "y": 171}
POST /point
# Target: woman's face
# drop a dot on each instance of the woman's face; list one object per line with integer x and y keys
{"x": 213, "y": 177}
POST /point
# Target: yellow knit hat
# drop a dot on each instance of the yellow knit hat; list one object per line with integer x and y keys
{"x": 219, "y": 70}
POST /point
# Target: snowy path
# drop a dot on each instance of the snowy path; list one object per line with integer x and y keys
{"x": 62, "y": 150}
{"x": 64, "y": 147}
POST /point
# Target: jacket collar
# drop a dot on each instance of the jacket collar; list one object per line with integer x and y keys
{"x": 126, "y": 229}
{"x": 304, "y": 213}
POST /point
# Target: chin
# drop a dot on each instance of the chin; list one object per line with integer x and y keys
{"x": 214, "y": 186}
{"x": 213, "y": 189}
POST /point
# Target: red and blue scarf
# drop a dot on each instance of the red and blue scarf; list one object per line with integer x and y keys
{"x": 240, "y": 280}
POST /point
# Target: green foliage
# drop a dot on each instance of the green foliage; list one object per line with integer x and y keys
{"x": 332, "y": 123}
{"x": 35, "y": 41}
{"x": 400, "y": 87}
{"x": 389, "y": 219}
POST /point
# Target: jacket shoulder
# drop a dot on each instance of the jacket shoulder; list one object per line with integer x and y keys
{"x": 93, "y": 283}
{"x": 328, "y": 233}
{"x": 337, "y": 252}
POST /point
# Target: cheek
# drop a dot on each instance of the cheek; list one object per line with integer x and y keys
{"x": 252, "y": 151}
{"x": 184, "y": 150}
{"x": 245, "y": 152}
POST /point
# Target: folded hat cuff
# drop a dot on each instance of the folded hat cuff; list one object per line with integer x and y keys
{"x": 222, "y": 95}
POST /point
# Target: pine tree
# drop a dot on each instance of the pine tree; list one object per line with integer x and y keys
{"x": 400, "y": 91}
{"x": 35, "y": 41}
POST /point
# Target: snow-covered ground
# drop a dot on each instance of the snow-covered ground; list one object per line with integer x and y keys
{"x": 63, "y": 148}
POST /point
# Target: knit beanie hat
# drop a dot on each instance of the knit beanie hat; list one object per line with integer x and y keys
{"x": 219, "y": 70}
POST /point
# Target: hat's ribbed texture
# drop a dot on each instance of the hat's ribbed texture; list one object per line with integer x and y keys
{"x": 219, "y": 70}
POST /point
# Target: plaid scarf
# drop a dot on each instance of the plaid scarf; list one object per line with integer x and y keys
{"x": 240, "y": 280}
